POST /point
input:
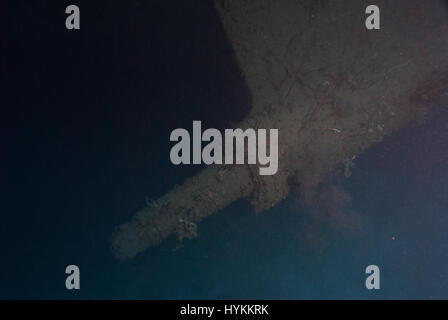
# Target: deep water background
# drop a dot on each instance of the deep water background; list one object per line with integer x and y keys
{"x": 85, "y": 135}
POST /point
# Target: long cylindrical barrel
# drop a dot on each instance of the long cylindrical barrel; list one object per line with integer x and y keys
{"x": 330, "y": 86}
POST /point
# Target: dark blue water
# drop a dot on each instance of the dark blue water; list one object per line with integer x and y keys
{"x": 86, "y": 138}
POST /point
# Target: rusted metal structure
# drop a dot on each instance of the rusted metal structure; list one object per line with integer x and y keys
{"x": 331, "y": 87}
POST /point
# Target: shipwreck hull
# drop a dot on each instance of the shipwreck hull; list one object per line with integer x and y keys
{"x": 331, "y": 87}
